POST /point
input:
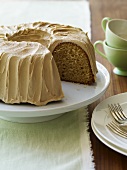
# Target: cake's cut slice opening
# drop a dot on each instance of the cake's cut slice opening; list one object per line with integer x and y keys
{"x": 73, "y": 63}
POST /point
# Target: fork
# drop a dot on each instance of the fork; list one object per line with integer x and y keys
{"x": 114, "y": 127}
{"x": 118, "y": 114}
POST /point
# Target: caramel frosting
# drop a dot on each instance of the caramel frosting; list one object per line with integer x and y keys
{"x": 28, "y": 73}
{"x": 50, "y": 35}
{"x": 25, "y": 55}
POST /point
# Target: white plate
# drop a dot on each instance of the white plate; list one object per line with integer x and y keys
{"x": 101, "y": 117}
{"x": 76, "y": 96}
{"x": 107, "y": 143}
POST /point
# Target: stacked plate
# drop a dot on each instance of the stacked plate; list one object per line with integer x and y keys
{"x": 101, "y": 117}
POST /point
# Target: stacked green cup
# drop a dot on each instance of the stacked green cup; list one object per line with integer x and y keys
{"x": 115, "y": 44}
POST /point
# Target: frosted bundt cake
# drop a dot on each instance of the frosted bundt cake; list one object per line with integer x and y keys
{"x": 70, "y": 47}
{"x": 28, "y": 74}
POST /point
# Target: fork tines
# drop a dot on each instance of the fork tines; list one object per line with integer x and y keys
{"x": 117, "y": 112}
{"x": 114, "y": 127}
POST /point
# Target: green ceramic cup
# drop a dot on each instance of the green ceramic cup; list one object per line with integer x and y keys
{"x": 115, "y": 32}
{"x": 117, "y": 57}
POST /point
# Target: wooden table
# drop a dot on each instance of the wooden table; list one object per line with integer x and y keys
{"x": 106, "y": 158}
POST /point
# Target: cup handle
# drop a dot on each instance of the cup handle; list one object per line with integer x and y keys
{"x": 104, "y": 22}
{"x": 97, "y": 50}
